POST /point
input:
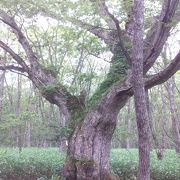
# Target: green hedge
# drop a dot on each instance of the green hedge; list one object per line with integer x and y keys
{"x": 43, "y": 164}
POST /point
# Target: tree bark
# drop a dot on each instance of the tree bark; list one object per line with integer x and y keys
{"x": 142, "y": 118}
{"x": 90, "y": 143}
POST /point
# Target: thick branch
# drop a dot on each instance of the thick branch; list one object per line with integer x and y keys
{"x": 12, "y": 67}
{"x": 116, "y": 22}
{"x": 165, "y": 74}
{"x": 21, "y": 38}
{"x": 43, "y": 79}
{"x": 125, "y": 90}
{"x": 159, "y": 32}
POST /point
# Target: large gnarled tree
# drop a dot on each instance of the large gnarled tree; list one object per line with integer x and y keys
{"x": 93, "y": 125}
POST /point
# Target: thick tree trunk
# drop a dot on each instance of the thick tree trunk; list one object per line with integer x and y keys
{"x": 89, "y": 151}
{"x": 90, "y": 144}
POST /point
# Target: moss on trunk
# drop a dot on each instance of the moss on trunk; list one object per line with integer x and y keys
{"x": 117, "y": 74}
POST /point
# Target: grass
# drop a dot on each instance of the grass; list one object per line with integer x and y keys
{"x": 43, "y": 164}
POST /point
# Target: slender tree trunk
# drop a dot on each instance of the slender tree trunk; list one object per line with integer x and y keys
{"x": 174, "y": 114}
{"x": 139, "y": 93}
{"x": 28, "y": 133}
{"x": 19, "y": 129}
{"x": 129, "y": 122}
{"x": 165, "y": 143}
{"x": 153, "y": 138}
{"x": 2, "y": 80}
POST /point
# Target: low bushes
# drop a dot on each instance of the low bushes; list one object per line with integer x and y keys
{"x": 124, "y": 163}
{"x": 44, "y": 164}
{"x": 30, "y": 164}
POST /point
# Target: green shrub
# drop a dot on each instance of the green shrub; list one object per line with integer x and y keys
{"x": 124, "y": 163}
{"x": 30, "y": 164}
{"x": 46, "y": 163}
